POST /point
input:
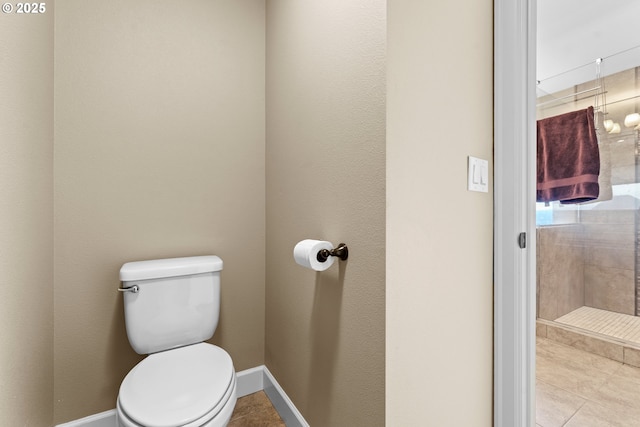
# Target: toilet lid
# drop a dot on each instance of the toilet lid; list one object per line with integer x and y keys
{"x": 176, "y": 387}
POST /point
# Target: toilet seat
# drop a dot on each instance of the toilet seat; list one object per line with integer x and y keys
{"x": 186, "y": 386}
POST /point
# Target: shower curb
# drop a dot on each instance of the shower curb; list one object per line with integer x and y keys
{"x": 591, "y": 342}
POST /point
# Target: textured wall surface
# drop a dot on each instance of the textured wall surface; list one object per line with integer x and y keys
{"x": 159, "y": 152}
{"x": 439, "y": 292}
{"x": 325, "y": 180}
{"x": 26, "y": 222}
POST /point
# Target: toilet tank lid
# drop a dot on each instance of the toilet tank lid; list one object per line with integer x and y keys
{"x": 170, "y": 267}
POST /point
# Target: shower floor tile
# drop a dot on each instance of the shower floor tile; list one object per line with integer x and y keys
{"x": 616, "y": 325}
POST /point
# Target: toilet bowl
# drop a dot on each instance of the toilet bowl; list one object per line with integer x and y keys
{"x": 171, "y": 306}
{"x": 187, "y": 387}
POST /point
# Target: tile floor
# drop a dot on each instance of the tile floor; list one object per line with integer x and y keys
{"x": 579, "y": 389}
{"x": 574, "y": 388}
{"x": 255, "y": 410}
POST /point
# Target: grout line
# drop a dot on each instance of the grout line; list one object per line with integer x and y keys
{"x": 576, "y": 412}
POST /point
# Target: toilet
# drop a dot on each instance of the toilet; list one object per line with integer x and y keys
{"x": 171, "y": 306}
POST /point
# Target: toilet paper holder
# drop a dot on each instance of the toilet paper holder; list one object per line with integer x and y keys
{"x": 342, "y": 252}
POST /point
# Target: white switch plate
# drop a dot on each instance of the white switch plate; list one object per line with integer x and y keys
{"x": 478, "y": 175}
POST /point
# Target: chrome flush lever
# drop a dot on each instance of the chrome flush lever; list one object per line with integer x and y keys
{"x": 133, "y": 289}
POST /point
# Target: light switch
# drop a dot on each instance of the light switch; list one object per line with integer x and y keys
{"x": 478, "y": 175}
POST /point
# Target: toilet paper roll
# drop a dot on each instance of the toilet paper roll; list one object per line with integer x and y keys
{"x": 306, "y": 254}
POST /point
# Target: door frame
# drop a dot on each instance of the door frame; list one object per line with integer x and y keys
{"x": 514, "y": 212}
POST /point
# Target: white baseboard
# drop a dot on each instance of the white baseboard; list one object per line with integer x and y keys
{"x": 285, "y": 407}
{"x": 103, "y": 419}
{"x": 249, "y": 381}
{"x": 259, "y": 378}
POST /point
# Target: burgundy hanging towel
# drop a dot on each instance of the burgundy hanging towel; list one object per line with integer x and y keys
{"x": 568, "y": 158}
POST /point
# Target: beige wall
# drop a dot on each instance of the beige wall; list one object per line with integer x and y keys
{"x": 159, "y": 152}
{"x": 439, "y": 235}
{"x": 158, "y": 157}
{"x": 26, "y": 226}
{"x": 325, "y": 179}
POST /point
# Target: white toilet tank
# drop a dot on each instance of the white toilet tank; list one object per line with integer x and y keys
{"x": 177, "y": 301}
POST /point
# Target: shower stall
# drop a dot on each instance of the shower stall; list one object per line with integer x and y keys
{"x": 588, "y": 286}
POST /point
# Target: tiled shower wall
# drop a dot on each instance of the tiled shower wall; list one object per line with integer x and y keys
{"x": 609, "y": 268}
{"x": 591, "y": 263}
{"x": 560, "y": 270}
